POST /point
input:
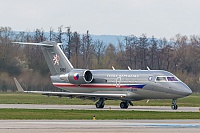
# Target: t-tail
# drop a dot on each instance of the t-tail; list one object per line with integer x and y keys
{"x": 59, "y": 65}
{"x": 54, "y": 56}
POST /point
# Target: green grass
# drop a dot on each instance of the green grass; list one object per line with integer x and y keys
{"x": 88, "y": 114}
{"x": 27, "y": 98}
{"x": 24, "y": 98}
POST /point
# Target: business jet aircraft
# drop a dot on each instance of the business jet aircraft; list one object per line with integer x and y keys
{"x": 100, "y": 85}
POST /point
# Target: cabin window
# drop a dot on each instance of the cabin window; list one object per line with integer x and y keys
{"x": 161, "y": 79}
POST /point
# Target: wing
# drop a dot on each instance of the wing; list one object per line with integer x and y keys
{"x": 92, "y": 96}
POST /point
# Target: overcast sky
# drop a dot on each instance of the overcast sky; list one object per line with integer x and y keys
{"x": 161, "y": 18}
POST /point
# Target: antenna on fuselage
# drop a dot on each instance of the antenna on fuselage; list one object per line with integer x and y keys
{"x": 113, "y": 68}
{"x": 129, "y": 68}
{"x": 148, "y": 68}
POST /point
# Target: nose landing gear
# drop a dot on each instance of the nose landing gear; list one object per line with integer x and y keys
{"x": 174, "y": 106}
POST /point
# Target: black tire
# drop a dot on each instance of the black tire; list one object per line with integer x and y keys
{"x": 174, "y": 107}
{"x": 98, "y": 105}
{"x": 124, "y": 105}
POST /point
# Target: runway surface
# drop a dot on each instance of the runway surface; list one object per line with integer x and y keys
{"x": 108, "y": 126}
{"x": 107, "y": 107}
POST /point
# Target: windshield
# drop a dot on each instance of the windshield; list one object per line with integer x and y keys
{"x": 166, "y": 79}
{"x": 172, "y": 79}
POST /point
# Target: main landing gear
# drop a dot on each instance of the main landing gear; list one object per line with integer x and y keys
{"x": 100, "y": 103}
{"x": 124, "y": 104}
{"x": 174, "y": 105}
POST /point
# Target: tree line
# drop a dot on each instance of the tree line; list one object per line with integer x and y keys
{"x": 179, "y": 55}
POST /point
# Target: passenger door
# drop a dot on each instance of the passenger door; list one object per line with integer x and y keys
{"x": 118, "y": 80}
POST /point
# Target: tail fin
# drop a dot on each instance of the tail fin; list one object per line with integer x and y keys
{"x": 54, "y": 56}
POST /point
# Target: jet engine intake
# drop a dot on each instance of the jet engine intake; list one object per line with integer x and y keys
{"x": 78, "y": 76}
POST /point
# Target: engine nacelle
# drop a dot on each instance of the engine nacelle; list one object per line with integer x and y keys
{"x": 78, "y": 76}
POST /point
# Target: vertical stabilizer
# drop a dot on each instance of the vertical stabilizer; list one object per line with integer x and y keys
{"x": 54, "y": 56}
{"x": 56, "y": 59}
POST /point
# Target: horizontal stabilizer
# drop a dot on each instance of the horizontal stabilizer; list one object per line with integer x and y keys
{"x": 40, "y": 44}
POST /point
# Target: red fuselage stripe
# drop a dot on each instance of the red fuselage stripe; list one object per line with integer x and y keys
{"x": 98, "y": 86}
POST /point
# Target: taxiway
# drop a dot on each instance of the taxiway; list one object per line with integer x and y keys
{"x": 79, "y": 126}
{"x": 107, "y": 107}
{"x": 107, "y": 126}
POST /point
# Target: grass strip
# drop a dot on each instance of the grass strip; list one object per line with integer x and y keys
{"x": 49, "y": 114}
{"x": 24, "y": 98}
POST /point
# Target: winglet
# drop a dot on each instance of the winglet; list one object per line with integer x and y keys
{"x": 19, "y": 87}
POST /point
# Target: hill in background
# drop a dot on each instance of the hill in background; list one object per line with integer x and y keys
{"x": 113, "y": 39}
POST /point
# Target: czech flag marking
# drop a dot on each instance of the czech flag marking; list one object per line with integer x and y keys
{"x": 76, "y": 76}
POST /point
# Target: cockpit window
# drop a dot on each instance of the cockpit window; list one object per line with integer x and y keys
{"x": 161, "y": 79}
{"x": 172, "y": 79}
{"x": 165, "y": 79}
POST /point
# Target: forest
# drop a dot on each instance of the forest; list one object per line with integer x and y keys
{"x": 179, "y": 55}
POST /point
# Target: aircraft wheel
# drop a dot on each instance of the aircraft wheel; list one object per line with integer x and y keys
{"x": 99, "y": 106}
{"x": 100, "y": 103}
{"x": 124, "y": 105}
{"x": 174, "y": 107}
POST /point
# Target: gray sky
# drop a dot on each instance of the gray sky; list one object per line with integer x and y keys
{"x": 161, "y": 18}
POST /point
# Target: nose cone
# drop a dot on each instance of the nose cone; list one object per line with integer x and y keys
{"x": 186, "y": 91}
